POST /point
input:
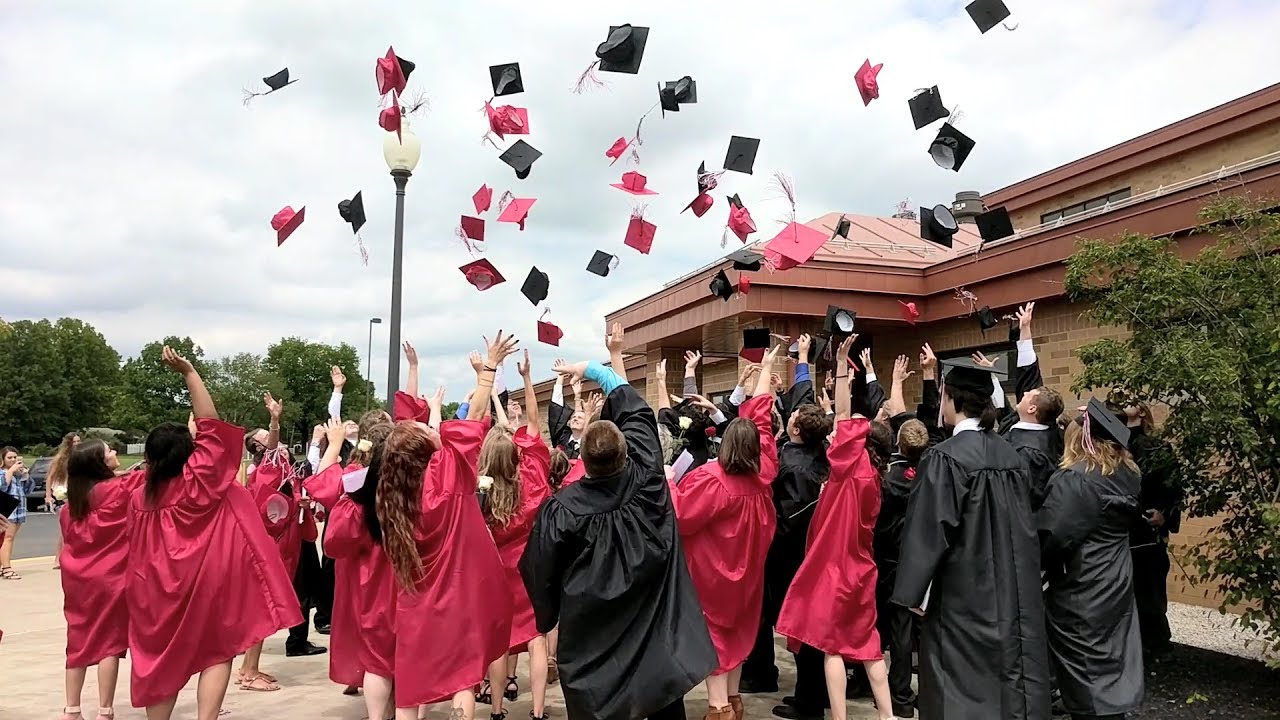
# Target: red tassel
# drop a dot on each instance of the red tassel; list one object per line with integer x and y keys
{"x": 506, "y": 198}
{"x": 587, "y": 79}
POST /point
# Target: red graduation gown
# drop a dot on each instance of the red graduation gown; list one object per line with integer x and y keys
{"x": 726, "y": 524}
{"x": 362, "y": 638}
{"x": 535, "y": 467}
{"x": 577, "y": 471}
{"x": 298, "y": 524}
{"x": 408, "y": 407}
{"x": 205, "y": 581}
{"x": 831, "y": 604}
{"x": 458, "y": 618}
{"x": 95, "y": 555}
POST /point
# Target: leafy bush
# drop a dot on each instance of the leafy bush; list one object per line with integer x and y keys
{"x": 40, "y": 450}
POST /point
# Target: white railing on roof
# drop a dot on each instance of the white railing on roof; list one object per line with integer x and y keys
{"x": 1220, "y": 174}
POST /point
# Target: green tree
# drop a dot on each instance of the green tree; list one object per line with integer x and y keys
{"x": 237, "y": 384}
{"x": 34, "y": 399}
{"x": 304, "y": 368}
{"x": 449, "y": 410}
{"x": 149, "y": 393}
{"x": 91, "y": 370}
{"x": 1204, "y": 341}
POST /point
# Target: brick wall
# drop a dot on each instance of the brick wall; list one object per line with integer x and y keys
{"x": 1210, "y": 158}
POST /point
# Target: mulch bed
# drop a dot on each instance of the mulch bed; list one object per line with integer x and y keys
{"x": 1218, "y": 685}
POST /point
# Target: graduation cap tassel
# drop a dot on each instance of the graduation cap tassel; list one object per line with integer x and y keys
{"x": 1010, "y": 29}
{"x": 419, "y": 102}
{"x": 968, "y": 299}
{"x": 1087, "y": 436}
{"x": 503, "y": 201}
{"x": 788, "y": 188}
{"x": 247, "y": 96}
{"x": 364, "y": 251}
{"x": 587, "y": 79}
{"x": 724, "y": 237}
{"x": 488, "y": 138}
{"x": 956, "y": 116}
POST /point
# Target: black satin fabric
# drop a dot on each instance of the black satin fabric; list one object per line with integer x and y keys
{"x": 604, "y": 562}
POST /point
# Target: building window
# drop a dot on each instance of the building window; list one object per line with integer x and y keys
{"x": 1094, "y": 204}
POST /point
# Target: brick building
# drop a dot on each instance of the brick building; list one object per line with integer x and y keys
{"x": 1153, "y": 184}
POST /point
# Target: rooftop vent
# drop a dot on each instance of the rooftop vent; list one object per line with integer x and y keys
{"x": 968, "y": 205}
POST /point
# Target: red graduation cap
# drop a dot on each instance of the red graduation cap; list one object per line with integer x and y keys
{"x": 700, "y": 204}
{"x": 389, "y": 118}
{"x": 473, "y": 228}
{"x": 909, "y": 312}
{"x": 547, "y": 332}
{"x": 390, "y": 73}
{"x": 740, "y": 222}
{"x": 482, "y": 199}
{"x": 795, "y": 245}
{"x": 634, "y": 183}
{"x": 640, "y": 233}
{"x": 868, "y": 86}
{"x": 482, "y": 274}
{"x": 744, "y": 284}
{"x": 285, "y": 222}
{"x": 517, "y": 211}
{"x": 615, "y": 151}
{"x": 507, "y": 120}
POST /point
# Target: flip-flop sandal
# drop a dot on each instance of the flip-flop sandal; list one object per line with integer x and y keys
{"x": 255, "y": 684}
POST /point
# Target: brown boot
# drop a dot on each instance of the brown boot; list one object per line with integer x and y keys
{"x": 735, "y": 702}
{"x": 723, "y": 713}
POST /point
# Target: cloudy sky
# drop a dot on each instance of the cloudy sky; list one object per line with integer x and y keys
{"x": 138, "y": 190}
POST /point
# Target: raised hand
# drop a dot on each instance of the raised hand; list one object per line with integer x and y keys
{"x": 824, "y": 399}
{"x": 691, "y": 359}
{"x": 176, "y": 362}
{"x": 316, "y": 433}
{"x": 437, "y": 401}
{"x": 477, "y": 362}
{"x": 865, "y": 356}
{"x": 703, "y": 403}
{"x": 981, "y": 360}
{"x": 336, "y": 431}
{"x": 339, "y": 380}
{"x": 500, "y": 347}
{"x": 1024, "y": 319}
{"x": 595, "y": 404}
{"x": 613, "y": 341}
{"x": 842, "y": 352}
{"x": 410, "y": 355}
{"x": 928, "y": 361}
{"x": 829, "y": 383}
{"x": 573, "y": 372}
{"x": 747, "y": 373}
{"x": 900, "y": 369}
{"x": 273, "y": 406}
{"x": 775, "y": 381}
{"x": 660, "y": 372}
{"x": 803, "y": 344}
{"x": 523, "y": 368}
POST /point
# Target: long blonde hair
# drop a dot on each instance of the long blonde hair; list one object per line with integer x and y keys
{"x": 375, "y": 426}
{"x": 57, "y": 475}
{"x": 399, "y": 499}
{"x": 1107, "y": 456}
{"x": 500, "y": 460}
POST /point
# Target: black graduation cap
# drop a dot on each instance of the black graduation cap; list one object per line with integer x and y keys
{"x": 938, "y": 225}
{"x": 994, "y": 225}
{"x": 817, "y": 344}
{"x": 1104, "y": 424}
{"x": 926, "y": 107}
{"x": 734, "y": 200}
{"x": 278, "y": 81}
{"x": 755, "y": 343}
{"x": 506, "y": 79}
{"x": 406, "y": 66}
{"x": 536, "y": 285}
{"x": 352, "y": 211}
{"x": 843, "y": 225}
{"x": 601, "y": 263}
{"x": 987, "y": 14}
{"x": 839, "y": 321}
{"x": 742, "y": 154}
{"x": 623, "y": 50}
{"x": 672, "y": 95}
{"x": 950, "y": 148}
{"x": 520, "y": 157}
{"x": 720, "y": 286}
{"x": 746, "y": 260}
{"x": 975, "y": 379}
{"x": 986, "y": 318}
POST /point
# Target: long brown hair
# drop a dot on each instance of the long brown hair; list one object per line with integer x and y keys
{"x": 86, "y": 466}
{"x": 560, "y": 467}
{"x": 500, "y": 460}
{"x": 399, "y": 499}
{"x": 880, "y": 447}
{"x": 1107, "y": 456}
{"x": 740, "y": 448}
{"x": 375, "y": 426}
{"x": 58, "y": 468}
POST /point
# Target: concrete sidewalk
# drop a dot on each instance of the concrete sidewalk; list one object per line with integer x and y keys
{"x": 34, "y": 646}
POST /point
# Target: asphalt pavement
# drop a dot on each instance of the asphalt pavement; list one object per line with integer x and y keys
{"x": 38, "y": 537}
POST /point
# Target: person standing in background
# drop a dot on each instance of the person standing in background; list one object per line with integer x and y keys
{"x": 15, "y": 481}
{"x": 55, "y": 486}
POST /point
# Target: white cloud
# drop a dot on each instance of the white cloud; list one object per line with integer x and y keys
{"x": 139, "y": 191}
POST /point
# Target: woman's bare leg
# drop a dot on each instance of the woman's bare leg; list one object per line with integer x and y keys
{"x": 497, "y": 683}
{"x": 108, "y": 674}
{"x": 878, "y": 674}
{"x": 75, "y": 687}
{"x": 6, "y": 547}
{"x": 718, "y": 692}
{"x": 538, "y": 674}
{"x": 377, "y": 695}
{"x": 162, "y": 711}
{"x": 211, "y": 689}
{"x": 464, "y": 704}
{"x": 833, "y": 668}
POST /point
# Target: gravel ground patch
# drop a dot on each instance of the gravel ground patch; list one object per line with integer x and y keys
{"x": 1211, "y": 630}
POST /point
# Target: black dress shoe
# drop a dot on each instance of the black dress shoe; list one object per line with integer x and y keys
{"x": 323, "y": 629}
{"x": 789, "y": 712}
{"x": 305, "y": 650}
{"x": 791, "y": 700}
{"x": 748, "y": 686}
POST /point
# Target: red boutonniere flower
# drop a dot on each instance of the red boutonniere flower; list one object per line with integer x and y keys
{"x": 910, "y": 474}
{"x": 711, "y": 432}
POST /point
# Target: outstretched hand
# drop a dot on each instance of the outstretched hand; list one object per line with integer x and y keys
{"x": 613, "y": 341}
{"x": 500, "y": 347}
{"x": 691, "y": 359}
{"x": 1024, "y": 319}
{"x": 523, "y": 367}
{"x": 338, "y": 378}
{"x": 982, "y": 361}
{"x": 900, "y": 369}
{"x": 274, "y": 407}
{"x": 928, "y": 361}
{"x": 176, "y": 362}
{"x": 437, "y": 401}
{"x": 336, "y": 431}
{"x": 410, "y": 354}
{"x": 842, "y": 352}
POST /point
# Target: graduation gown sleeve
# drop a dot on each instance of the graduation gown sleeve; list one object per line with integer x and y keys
{"x": 933, "y": 520}
{"x": 408, "y": 407}
{"x": 927, "y": 410}
{"x": 558, "y": 424}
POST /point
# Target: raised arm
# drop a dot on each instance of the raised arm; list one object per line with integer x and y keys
{"x": 614, "y": 342}
{"x": 1028, "y": 375}
{"x": 874, "y": 390}
{"x": 274, "y": 408}
{"x": 436, "y": 403}
{"x": 531, "y": 419}
{"x": 691, "y": 360}
{"x": 202, "y": 407}
{"x": 625, "y": 408}
{"x": 896, "y": 404}
{"x": 411, "y": 356}
{"x": 498, "y": 350}
{"x": 843, "y": 398}
{"x": 499, "y": 412}
{"x": 335, "y": 398}
{"x": 336, "y": 432}
{"x": 660, "y": 379}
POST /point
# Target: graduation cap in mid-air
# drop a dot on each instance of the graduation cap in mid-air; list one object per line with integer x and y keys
{"x": 520, "y": 156}
{"x": 536, "y": 285}
{"x": 392, "y": 72}
{"x": 472, "y": 228}
{"x": 482, "y": 274}
{"x": 517, "y": 211}
{"x": 352, "y": 211}
{"x": 482, "y": 199}
{"x": 842, "y": 228}
{"x": 839, "y": 322}
{"x": 927, "y": 108}
{"x": 549, "y": 333}
{"x": 909, "y": 311}
{"x": 634, "y": 183}
{"x": 994, "y": 225}
{"x": 741, "y": 156}
{"x": 986, "y": 318}
{"x": 601, "y": 263}
{"x": 275, "y": 82}
{"x": 673, "y": 94}
{"x": 285, "y": 222}
{"x": 794, "y": 245}
{"x": 623, "y": 50}
{"x": 640, "y": 233}
{"x": 755, "y": 343}
{"x": 950, "y": 148}
{"x": 938, "y": 225}
{"x": 986, "y": 14}
{"x": 868, "y": 86}
{"x": 720, "y": 286}
{"x": 746, "y": 260}
{"x": 506, "y": 79}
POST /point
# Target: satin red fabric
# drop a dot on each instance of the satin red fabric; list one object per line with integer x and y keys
{"x": 94, "y": 557}
{"x": 298, "y": 524}
{"x": 457, "y": 619}
{"x": 535, "y": 467}
{"x": 408, "y": 407}
{"x": 205, "y": 581}
{"x": 577, "y": 471}
{"x": 362, "y": 638}
{"x": 831, "y": 604}
{"x": 726, "y": 524}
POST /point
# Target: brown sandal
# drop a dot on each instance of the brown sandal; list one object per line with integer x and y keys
{"x": 260, "y": 683}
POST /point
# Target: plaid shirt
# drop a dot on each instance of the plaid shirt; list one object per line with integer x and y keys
{"x": 17, "y": 489}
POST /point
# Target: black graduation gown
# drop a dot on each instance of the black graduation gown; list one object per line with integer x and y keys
{"x": 1037, "y": 450}
{"x": 1089, "y": 608}
{"x": 895, "y": 491}
{"x": 604, "y": 561}
{"x": 801, "y": 472}
{"x": 971, "y": 533}
{"x": 558, "y": 426}
{"x": 1160, "y": 491}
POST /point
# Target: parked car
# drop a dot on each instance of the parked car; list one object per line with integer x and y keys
{"x": 39, "y": 473}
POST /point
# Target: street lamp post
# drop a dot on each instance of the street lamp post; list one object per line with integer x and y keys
{"x": 402, "y": 154}
{"x": 368, "y": 357}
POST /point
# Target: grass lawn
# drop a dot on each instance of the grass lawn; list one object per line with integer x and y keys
{"x": 128, "y": 461}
